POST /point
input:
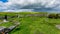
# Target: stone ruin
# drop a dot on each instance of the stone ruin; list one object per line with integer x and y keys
{"x": 4, "y": 30}
{"x": 6, "y": 17}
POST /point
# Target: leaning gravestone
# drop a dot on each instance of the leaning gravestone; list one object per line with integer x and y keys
{"x": 58, "y": 26}
{"x": 1, "y": 29}
{"x": 4, "y": 30}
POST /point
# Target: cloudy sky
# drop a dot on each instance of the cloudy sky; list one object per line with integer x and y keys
{"x": 30, "y": 5}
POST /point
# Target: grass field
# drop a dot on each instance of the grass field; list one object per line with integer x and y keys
{"x": 35, "y": 25}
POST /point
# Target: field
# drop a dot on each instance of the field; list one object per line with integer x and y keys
{"x": 34, "y": 25}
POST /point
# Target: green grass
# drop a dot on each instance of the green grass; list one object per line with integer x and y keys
{"x": 35, "y": 25}
{"x": 6, "y": 24}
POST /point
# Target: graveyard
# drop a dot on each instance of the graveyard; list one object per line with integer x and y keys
{"x": 29, "y": 23}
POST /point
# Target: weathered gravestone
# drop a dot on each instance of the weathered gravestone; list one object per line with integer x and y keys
{"x": 5, "y": 18}
{"x": 4, "y": 30}
{"x": 57, "y": 26}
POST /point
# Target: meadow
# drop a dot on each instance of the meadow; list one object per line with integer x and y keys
{"x": 33, "y": 24}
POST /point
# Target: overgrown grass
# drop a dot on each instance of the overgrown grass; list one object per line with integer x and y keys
{"x": 6, "y": 24}
{"x": 35, "y": 25}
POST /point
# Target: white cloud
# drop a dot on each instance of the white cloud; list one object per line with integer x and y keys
{"x": 18, "y": 4}
{"x": 21, "y": 10}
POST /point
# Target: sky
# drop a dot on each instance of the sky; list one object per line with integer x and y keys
{"x": 30, "y": 5}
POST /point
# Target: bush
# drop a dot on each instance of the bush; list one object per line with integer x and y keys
{"x": 53, "y": 16}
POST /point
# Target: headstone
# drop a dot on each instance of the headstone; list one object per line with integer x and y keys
{"x": 12, "y": 27}
{"x": 58, "y": 26}
{"x": 5, "y": 18}
{"x": 1, "y": 28}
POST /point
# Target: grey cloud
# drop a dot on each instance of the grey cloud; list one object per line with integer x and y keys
{"x": 37, "y": 5}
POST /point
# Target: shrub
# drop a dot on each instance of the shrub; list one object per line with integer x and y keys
{"x": 53, "y": 16}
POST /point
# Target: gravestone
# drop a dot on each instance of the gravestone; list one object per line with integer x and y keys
{"x": 9, "y": 29}
{"x": 57, "y": 26}
{"x": 1, "y": 29}
{"x": 5, "y": 18}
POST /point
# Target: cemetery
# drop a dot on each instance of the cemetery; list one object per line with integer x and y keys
{"x": 29, "y": 23}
